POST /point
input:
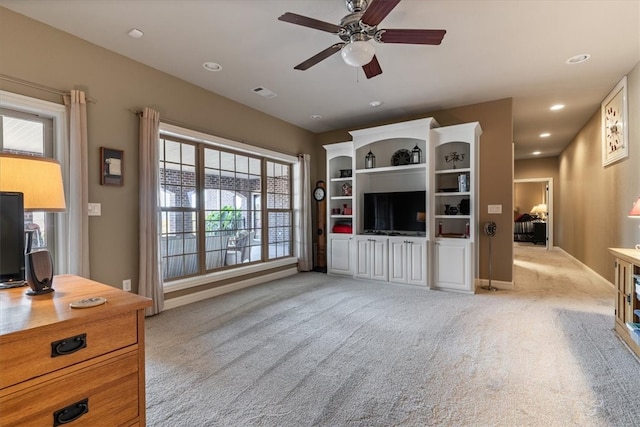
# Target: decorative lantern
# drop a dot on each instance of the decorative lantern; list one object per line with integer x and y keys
{"x": 416, "y": 155}
{"x": 370, "y": 160}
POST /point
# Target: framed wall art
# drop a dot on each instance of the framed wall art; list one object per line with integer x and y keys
{"x": 615, "y": 121}
{"x": 111, "y": 166}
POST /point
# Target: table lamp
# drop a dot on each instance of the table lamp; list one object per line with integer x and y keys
{"x": 635, "y": 213}
{"x": 39, "y": 179}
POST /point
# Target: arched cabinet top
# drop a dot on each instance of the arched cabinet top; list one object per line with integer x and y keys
{"x": 414, "y": 129}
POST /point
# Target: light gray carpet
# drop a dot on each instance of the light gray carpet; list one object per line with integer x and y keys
{"x": 318, "y": 350}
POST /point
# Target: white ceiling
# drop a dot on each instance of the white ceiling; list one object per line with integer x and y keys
{"x": 492, "y": 50}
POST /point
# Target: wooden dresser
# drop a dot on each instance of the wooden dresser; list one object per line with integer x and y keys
{"x": 60, "y": 365}
{"x": 627, "y": 282}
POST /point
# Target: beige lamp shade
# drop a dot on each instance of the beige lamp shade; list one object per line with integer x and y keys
{"x": 38, "y": 178}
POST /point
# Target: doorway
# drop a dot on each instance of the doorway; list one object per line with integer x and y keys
{"x": 534, "y": 196}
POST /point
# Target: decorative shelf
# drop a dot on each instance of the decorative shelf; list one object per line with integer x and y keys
{"x": 341, "y": 179}
{"x": 396, "y": 169}
{"x": 447, "y": 171}
{"x": 456, "y": 193}
{"x": 453, "y": 216}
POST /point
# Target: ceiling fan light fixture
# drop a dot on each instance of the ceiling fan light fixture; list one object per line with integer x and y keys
{"x": 358, "y": 53}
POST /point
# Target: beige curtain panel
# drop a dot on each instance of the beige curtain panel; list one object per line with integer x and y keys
{"x": 150, "y": 282}
{"x": 78, "y": 196}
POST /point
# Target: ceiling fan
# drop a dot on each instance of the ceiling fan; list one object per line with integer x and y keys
{"x": 355, "y": 31}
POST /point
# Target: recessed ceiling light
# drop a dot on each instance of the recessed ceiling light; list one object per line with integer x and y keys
{"x": 375, "y": 104}
{"x": 557, "y": 107}
{"x": 316, "y": 116}
{"x": 578, "y": 59}
{"x": 536, "y": 153}
{"x": 135, "y": 33}
{"x": 212, "y": 66}
{"x": 545, "y": 135}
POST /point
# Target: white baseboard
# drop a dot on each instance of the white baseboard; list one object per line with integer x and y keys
{"x": 584, "y": 265}
{"x": 220, "y": 290}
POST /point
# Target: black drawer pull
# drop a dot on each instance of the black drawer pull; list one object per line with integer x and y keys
{"x": 71, "y": 412}
{"x": 68, "y": 345}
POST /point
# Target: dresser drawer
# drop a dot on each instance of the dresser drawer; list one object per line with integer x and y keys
{"x": 34, "y": 355}
{"x": 107, "y": 392}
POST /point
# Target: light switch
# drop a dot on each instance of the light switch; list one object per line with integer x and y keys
{"x": 95, "y": 209}
{"x": 495, "y": 209}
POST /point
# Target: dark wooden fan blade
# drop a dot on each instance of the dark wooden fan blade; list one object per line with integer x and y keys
{"x": 319, "y": 57}
{"x": 412, "y": 36}
{"x": 377, "y": 11}
{"x": 309, "y": 22}
{"x": 372, "y": 69}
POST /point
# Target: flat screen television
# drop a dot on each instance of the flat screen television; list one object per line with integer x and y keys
{"x": 393, "y": 212}
{"x": 11, "y": 237}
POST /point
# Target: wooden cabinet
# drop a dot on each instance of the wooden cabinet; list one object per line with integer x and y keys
{"x": 372, "y": 258}
{"x": 627, "y": 304}
{"x": 408, "y": 260}
{"x": 61, "y": 365}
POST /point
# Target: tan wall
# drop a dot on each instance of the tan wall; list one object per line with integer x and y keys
{"x": 38, "y": 53}
{"x": 597, "y": 199}
{"x": 496, "y": 173}
{"x": 527, "y": 195}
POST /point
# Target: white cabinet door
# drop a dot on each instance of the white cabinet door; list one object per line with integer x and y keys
{"x": 379, "y": 265}
{"x": 416, "y": 262}
{"x": 340, "y": 255}
{"x": 372, "y": 258}
{"x": 397, "y": 261}
{"x": 362, "y": 258}
{"x": 453, "y": 264}
{"x": 408, "y": 261}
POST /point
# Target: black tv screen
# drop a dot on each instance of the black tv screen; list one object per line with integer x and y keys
{"x": 11, "y": 237}
{"x": 393, "y": 212}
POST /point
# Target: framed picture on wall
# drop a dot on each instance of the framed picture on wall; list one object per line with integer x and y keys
{"x": 615, "y": 121}
{"x": 111, "y": 166}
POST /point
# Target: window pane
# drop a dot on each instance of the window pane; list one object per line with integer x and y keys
{"x": 227, "y": 161}
{"x": 255, "y": 166}
{"x": 242, "y": 163}
{"x": 188, "y": 154}
{"x": 172, "y": 151}
{"x": 31, "y": 135}
{"x": 22, "y": 136}
{"x": 211, "y": 158}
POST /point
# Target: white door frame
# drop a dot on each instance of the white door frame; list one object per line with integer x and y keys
{"x": 550, "y": 216}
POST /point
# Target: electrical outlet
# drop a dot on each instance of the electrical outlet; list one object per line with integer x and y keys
{"x": 126, "y": 285}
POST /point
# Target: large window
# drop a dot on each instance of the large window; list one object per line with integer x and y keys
{"x": 30, "y": 135}
{"x": 213, "y": 217}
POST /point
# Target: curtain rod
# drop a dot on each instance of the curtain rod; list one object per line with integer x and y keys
{"x": 138, "y": 113}
{"x": 39, "y": 87}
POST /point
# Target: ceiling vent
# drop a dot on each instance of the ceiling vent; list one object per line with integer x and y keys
{"x": 264, "y": 92}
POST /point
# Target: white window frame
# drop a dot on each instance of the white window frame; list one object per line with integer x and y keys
{"x": 58, "y": 113}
